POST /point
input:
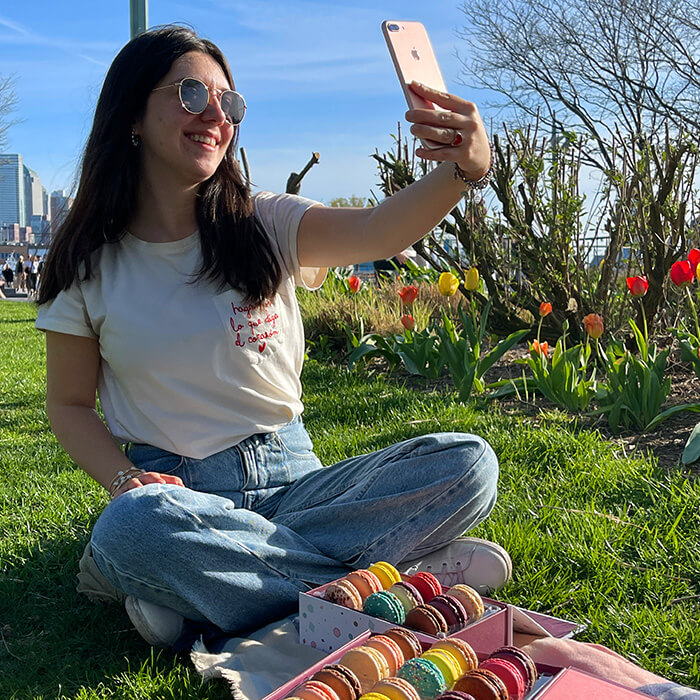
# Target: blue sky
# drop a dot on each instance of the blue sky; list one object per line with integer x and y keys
{"x": 316, "y": 77}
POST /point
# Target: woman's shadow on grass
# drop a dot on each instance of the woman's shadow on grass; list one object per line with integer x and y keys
{"x": 54, "y": 641}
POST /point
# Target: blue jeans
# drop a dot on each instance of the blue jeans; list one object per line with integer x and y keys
{"x": 263, "y": 520}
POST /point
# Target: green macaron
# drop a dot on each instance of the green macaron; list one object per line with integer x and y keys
{"x": 424, "y": 676}
{"x": 385, "y": 605}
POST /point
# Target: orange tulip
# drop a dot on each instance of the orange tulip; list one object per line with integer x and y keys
{"x": 594, "y": 325}
{"x": 545, "y": 309}
{"x": 408, "y": 322}
{"x": 408, "y": 294}
{"x": 354, "y": 283}
{"x": 542, "y": 348}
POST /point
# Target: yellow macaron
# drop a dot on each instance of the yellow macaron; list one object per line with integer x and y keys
{"x": 386, "y": 573}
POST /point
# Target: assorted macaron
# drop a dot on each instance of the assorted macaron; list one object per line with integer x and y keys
{"x": 393, "y": 666}
{"x": 417, "y": 602}
{"x": 436, "y": 613}
{"x": 352, "y": 590}
{"x": 359, "y": 671}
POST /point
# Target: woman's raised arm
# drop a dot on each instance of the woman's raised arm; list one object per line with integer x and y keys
{"x": 337, "y": 236}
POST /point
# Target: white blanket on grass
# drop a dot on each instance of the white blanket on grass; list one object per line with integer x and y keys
{"x": 256, "y": 665}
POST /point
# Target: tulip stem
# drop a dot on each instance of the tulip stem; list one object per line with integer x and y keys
{"x": 695, "y": 313}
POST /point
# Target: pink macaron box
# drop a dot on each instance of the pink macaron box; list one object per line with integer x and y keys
{"x": 327, "y": 626}
{"x": 334, "y": 657}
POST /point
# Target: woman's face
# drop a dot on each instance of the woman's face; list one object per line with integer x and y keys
{"x": 177, "y": 145}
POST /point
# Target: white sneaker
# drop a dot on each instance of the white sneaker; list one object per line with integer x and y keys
{"x": 481, "y": 564}
{"x": 159, "y": 626}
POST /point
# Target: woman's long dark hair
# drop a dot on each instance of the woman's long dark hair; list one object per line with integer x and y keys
{"x": 235, "y": 250}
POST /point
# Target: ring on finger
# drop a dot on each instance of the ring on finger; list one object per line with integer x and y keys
{"x": 457, "y": 139}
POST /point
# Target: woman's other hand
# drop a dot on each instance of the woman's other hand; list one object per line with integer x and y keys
{"x": 459, "y": 128}
{"x": 147, "y": 478}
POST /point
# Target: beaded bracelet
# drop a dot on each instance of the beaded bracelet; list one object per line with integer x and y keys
{"x": 121, "y": 477}
{"x": 482, "y": 182}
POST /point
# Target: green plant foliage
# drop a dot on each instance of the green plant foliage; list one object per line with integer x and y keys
{"x": 567, "y": 380}
{"x": 634, "y": 389}
{"x": 462, "y": 349}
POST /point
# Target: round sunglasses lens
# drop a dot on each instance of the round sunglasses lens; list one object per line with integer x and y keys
{"x": 194, "y": 95}
{"x": 233, "y": 106}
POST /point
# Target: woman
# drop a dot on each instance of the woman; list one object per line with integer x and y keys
{"x": 170, "y": 290}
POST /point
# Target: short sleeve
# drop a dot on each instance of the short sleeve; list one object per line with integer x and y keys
{"x": 67, "y": 313}
{"x": 280, "y": 216}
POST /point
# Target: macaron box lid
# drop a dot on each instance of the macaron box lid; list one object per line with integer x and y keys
{"x": 573, "y": 684}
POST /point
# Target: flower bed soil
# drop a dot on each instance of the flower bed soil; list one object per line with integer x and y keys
{"x": 665, "y": 444}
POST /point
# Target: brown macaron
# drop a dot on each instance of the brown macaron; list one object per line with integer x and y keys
{"x": 341, "y": 679}
{"x": 407, "y": 641}
{"x": 482, "y": 684}
{"x": 426, "y": 619}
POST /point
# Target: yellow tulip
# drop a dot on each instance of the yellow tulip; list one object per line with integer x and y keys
{"x": 471, "y": 279}
{"x": 448, "y": 284}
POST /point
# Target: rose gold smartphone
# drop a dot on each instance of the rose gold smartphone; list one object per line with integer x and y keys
{"x": 414, "y": 59}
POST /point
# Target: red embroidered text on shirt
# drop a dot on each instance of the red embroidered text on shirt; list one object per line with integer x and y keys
{"x": 256, "y": 333}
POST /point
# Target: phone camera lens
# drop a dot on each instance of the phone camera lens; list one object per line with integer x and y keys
{"x": 393, "y": 27}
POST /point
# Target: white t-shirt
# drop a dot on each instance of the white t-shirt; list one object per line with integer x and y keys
{"x": 187, "y": 367}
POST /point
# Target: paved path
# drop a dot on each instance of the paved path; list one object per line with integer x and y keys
{"x": 13, "y": 295}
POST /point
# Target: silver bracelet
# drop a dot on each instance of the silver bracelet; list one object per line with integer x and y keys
{"x": 121, "y": 477}
{"x": 482, "y": 182}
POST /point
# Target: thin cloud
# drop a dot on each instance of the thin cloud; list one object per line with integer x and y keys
{"x": 74, "y": 49}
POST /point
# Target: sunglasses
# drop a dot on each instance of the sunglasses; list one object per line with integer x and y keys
{"x": 196, "y": 95}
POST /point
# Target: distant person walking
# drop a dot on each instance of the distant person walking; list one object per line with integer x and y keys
{"x": 28, "y": 279}
{"x": 8, "y": 275}
{"x": 34, "y": 274}
{"x": 19, "y": 274}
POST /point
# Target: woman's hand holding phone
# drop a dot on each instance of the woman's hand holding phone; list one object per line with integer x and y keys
{"x": 458, "y": 126}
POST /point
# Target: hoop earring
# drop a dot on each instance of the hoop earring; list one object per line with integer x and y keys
{"x": 135, "y": 138}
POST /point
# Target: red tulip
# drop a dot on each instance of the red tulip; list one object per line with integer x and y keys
{"x": 354, "y": 283}
{"x": 408, "y": 322}
{"x": 545, "y": 309}
{"x": 694, "y": 258}
{"x": 682, "y": 272}
{"x": 637, "y": 285}
{"x": 594, "y": 325}
{"x": 408, "y": 294}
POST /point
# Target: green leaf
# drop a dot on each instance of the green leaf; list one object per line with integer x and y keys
{"x": 672, "y": 411}
{"x": 691, "y": 453}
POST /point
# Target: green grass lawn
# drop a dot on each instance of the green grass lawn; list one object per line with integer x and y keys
{"x": 595, "y": 536}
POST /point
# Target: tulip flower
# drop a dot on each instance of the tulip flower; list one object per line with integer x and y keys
{"x": 471, "y": 279}
{"x": 638, "y": 286}
{"x": 541, "y": 348}
{"x": 682, "y": 272}
{"x": 694, "y": 258}
{"x": 354, "y": 283}
{"x": 408, "y": 322}
{"x": 545, "y": 309}
{"x": 594, "y": 325}
{"x": 448, "y": 284}
{"x": 408, "y": 294}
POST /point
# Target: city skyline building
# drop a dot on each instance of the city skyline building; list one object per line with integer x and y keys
{"x": 60, "y": 205}
{"x": 13, "y": 204}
